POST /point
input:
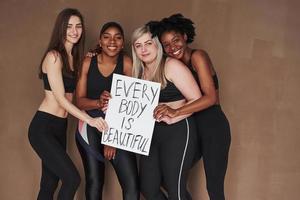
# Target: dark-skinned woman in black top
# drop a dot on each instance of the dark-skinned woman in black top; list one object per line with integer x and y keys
{"x": 92, "y": 95}
{"x": 175, "y": 33}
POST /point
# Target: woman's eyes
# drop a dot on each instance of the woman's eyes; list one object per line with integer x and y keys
{"x": 166, "y": 45}
{"x": 148, "y": 43}
{"x": 77, "y": 26}
{"x": 145, "y": 44}
{"x": 109, "y": 37}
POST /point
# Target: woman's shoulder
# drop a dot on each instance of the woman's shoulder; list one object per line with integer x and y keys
{"x": 53, "y": 59}
{"x": 170, "y": 61}
{"x": 86, "y": 64}
{"x": 201, "y": 58}
{"x": 52, "y": 56}
{"x": 199, "y": 54}
{"x": 174, "y": 67}
{"x": 87, "y": 59}
{"x": 173, "y": 63}
{"x": 127, "y": 59}
{"x": 127, "y": 65}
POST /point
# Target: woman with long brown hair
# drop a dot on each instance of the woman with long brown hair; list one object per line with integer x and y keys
{"x": 47, "y": 130}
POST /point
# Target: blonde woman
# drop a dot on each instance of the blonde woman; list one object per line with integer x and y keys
{"x": 173, "y": 143}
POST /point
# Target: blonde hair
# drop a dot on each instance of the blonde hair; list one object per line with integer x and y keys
{"x": 138, "y": 64}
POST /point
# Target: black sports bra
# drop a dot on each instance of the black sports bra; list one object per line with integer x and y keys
{"x": 69, "y": 83}
{"x": 170, "y": 93}
{"x": 215, "y": 77}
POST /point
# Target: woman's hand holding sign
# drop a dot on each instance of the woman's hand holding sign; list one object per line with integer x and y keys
{"x": 103, "y": 100}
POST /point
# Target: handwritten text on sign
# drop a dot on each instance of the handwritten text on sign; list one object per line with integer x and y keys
{"x": 130, "y": 114}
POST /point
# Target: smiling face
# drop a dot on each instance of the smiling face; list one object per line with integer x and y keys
{"x": 111, "y": 41}
{"x": 74, "y": 30}
{"x": 146, "y": 49}
{"x": 174, "y": 44}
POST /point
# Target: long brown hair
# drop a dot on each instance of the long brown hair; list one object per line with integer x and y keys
{"x": 57, "y": 42}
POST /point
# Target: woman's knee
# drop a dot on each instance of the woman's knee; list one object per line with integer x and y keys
{"x": 72, "y": 179}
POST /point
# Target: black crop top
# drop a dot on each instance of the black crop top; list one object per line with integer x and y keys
{"x": 69, "y": 83}
{"x": 96, "y": 82}
{"x": 215, "y": 77}
{"x": 170, "y": 93}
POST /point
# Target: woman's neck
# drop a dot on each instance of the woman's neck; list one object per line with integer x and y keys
{"x": 187, "y": 55}
{"x": 69, "y": 48}
{"x": 105, "y": 59}
{"x": 149, "y": 71}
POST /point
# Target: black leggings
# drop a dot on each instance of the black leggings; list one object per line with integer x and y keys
{"x": 124, "y": 164}
{"x": 171, "y": 156}
{"x": 47, "y": 135}
{"x": 214, "y": 138}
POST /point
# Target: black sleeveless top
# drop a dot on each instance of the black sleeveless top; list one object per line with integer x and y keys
{"x": 190, "y": 66}
{"x": 170, "y": 93}
{"x": 69, "y": 83}
{"x": 96, "y": 82}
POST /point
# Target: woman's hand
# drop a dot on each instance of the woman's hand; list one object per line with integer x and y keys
{"x": 109, "y": 152}
{"x": 98, "y": 123}
{"x": 103, "y": 100}
{"x": 163, "y": 110}
{"x": 167, "y": 120}
{"x": 91, "y": 53}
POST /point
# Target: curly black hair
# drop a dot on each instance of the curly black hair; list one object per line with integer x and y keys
{"x": 154, "y": 28}
{"x": 177, "y": 23}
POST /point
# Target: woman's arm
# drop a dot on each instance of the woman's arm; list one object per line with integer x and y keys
{"x": 82, "y": 101}
{"x": 183, "y": 79}
{"x": 53, "y": 66}
{"x": 204, "y": 69}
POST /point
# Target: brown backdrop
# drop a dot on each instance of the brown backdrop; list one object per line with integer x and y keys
{"x": 254, "y": 46}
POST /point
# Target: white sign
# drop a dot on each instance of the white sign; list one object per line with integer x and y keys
{"x": 130, "y": 114}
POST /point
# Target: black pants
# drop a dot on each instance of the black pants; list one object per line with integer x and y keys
{"x": 214, "y": 138}
{"x": 47, "y": 135}
{"x": 171, "y": 156}
{"x": 124, "y": 164}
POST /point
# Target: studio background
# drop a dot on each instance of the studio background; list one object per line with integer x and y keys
{"x": 254, "y": 46}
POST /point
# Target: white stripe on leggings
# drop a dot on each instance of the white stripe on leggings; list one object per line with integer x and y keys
{"x": 186, "y": 144}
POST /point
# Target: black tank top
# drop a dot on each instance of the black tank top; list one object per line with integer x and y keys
{"x": 96, "y": 82}
{"x": 170, "y": 93}
{"x": 190, "y": 66}
{"x": 69, "y": 83}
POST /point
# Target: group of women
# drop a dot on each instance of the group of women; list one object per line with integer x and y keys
{"x": 190, "y": 123}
